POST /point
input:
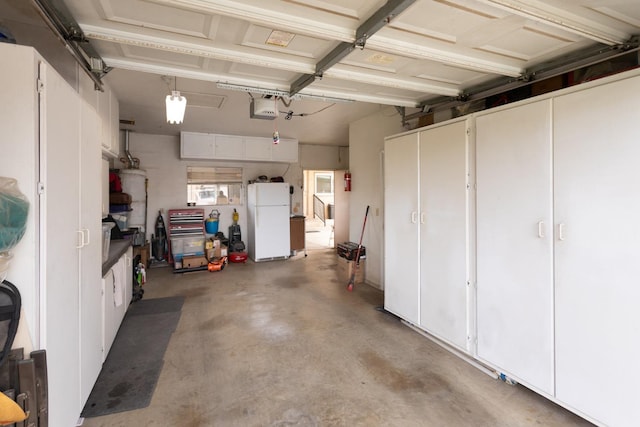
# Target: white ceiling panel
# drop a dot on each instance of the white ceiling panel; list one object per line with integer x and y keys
{"x": 428, "y": 50}
{"x": 159, "y": 17}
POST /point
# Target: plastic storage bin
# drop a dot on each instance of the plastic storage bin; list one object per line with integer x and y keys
{"x": 106, "y": 239}
{"x": 187, "y": 246}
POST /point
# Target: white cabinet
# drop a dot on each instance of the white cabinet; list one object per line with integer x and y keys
{"x": 402, "y": 241}
{"x": 109, "y": 112}
{"x": 285, "y": 151}
{"x": 597, "y": 248}
{"x": 90, "y": 227}
{"x": 109, "y": 328}
{"x": 426, "y": 250}
{"x": 257, "y": 148}
{"x": 197, "y": 145}
{"x": 44, "y": 139}
{"x": 229, "y": 147}
{"x": 444, "y": 232}
{"x": 116, "y": 296}
{"x": 558, "y": 243}
{"x": 514, "y": 242}
{"x": 209, "y": 146}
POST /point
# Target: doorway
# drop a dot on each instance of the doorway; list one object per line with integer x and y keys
{"x": 318, "y": 205}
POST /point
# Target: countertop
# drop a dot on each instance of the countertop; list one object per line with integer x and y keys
{"x": 116, "y": 249}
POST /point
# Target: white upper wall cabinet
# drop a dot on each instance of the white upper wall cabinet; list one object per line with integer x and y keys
{"x": 210, "y": 146}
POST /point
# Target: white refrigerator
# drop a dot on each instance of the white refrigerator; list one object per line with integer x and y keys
{"x": 268, "y": 221}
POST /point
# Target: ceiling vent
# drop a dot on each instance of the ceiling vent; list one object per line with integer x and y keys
{"x": 263, "y": 108}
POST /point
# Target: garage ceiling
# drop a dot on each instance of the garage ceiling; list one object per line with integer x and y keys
{"x": 406, "y": 53}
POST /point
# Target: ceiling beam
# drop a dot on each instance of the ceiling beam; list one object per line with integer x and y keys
{"x": 151, "y": 39}
{"x": 379, "y": 19}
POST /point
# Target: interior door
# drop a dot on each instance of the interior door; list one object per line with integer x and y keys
{"x": 514, "y": 242}
{"x": 60, "y": 174}
{"x": 401, "y": 230}
{"x": 597, "y": 204}
{"x": 444, "y": 232}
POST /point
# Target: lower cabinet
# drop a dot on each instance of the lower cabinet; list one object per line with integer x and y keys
{"x": 116, "y": 295}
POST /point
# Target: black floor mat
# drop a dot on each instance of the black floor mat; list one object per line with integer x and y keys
{"x": 129, "y": 375}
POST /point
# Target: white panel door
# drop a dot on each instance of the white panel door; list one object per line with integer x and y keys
{"x": 257, "y": 148}
{"x": 229, "y": 147}
{"x": 443, "y": 232}
{"x": 401, "y": 230}
{"x": 197, "y": 145}
{"x": 91, "y": 253}
{"x": 60, "y": 148}
{"x": 285, "y": 151}
{"x": 514, "y": 242}
{"x": 597, "y": 203}
{"x": 109, "y": 329}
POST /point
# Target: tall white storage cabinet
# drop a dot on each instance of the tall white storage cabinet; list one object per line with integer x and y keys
{"x": 514, "y": 242}
{"x": 42, "y": 146}
{"x": 427, "y": 204}
{"x": 597, "y": 250}
{"x": 402, "y": 241}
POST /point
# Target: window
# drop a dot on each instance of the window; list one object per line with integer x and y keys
{"x": 324, "y": 183}
{"x": 214, "y": 186}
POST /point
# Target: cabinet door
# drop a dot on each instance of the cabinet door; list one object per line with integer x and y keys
{"x": 91, "y": 252}
{"x": 197, "y": 145}
{"x": 285, "y": 151}
{"x": 229, "y": 147}
{"x": 402, "y": 247}
{"x": 114, "y": 123}
{"x": 109, "y": 329}
{"x": 597, "y": 294}
{"x": 443, "y": 232}
{"x": 257, "y": 148}
{"x": 60, "y": 237}
{"x": 104, "y": 111}
{"x": 514, "y": 242}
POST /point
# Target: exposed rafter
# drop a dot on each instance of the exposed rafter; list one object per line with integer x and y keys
{"x": 58, "y": 18}
{"x": 379, "y": 19}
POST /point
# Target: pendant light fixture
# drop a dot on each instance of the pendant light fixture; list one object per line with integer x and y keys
{"x": 176, "y": 105}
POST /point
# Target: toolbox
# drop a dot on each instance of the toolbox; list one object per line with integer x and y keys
{"x": 348, "y": 250}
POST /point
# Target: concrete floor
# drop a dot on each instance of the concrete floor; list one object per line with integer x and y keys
{"x": 283, "y": 343}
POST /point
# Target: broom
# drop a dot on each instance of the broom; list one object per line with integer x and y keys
{"x": 357, "y": 258}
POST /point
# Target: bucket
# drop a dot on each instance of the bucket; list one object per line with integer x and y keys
{"x": 211, "y": 223}
{"x": 211, "y": 226}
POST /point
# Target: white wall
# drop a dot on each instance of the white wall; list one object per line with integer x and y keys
{"x": 366, "y": 145}
{"x": 167, "y": 174}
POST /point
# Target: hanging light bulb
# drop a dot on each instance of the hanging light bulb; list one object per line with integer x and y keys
{"x": 176, "y": 105}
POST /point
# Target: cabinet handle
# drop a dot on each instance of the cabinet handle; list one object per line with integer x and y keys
{"x": 561, "y": 235}
{"x": 80, "y": 239}
{"x": 88, "y": 241}
{"x": 414, "y": 217}
{"x": 422, "y": 218}
{"x": 541, "y": 229}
